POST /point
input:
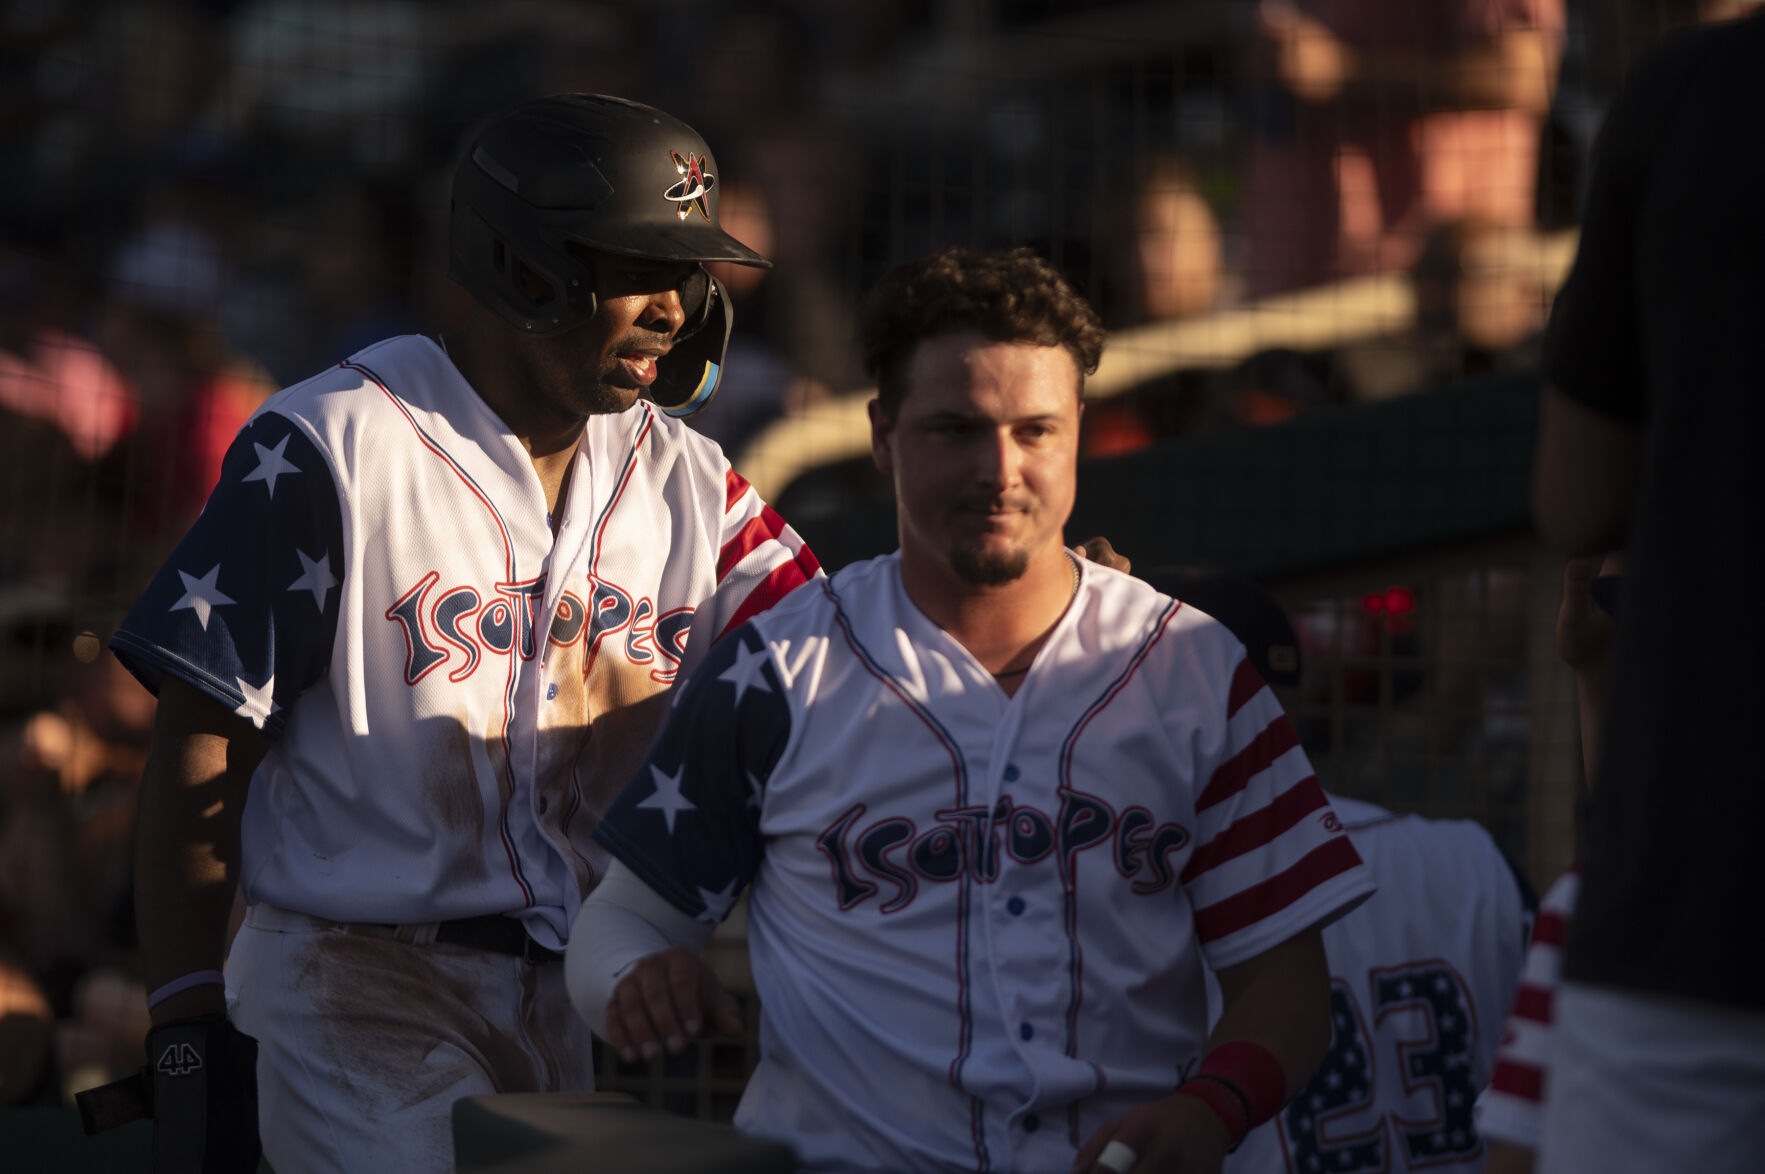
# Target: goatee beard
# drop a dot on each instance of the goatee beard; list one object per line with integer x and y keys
{"x": 980, "y": 568}
{"x": 603, "y": 399}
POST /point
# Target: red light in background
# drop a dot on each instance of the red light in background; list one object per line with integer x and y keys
{"x": 1393, "y": 601}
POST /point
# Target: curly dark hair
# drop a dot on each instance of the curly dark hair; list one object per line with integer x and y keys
{"x": 1005, "y": 295}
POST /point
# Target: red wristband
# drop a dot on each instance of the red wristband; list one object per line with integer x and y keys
{"x": 1225, "y": 1105}
{"x": 1254, "y": 1071}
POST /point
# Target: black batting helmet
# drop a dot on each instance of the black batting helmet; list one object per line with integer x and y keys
{"x": 607, "y": 174}
{"x": 1251, "y": 614}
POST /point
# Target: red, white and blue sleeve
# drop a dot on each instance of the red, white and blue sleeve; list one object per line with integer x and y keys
{"x": 689, "y": 823}
{"x": 1511, "y": 1109}
{"x": 1271, "y": 856}
{"x": 245, "y": 609}
{"x": 760, "y": 559}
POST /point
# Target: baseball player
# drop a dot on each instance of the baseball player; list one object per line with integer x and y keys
{"x": 422, "y": 633}
{"x": 999, "y": 809}
{"x": 1420, "y": 974}
{"x": 1420, "y": 977}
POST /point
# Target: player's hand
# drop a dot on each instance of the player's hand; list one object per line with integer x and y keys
{"x": 1176, "y": 1135}
{"x": 1099, "y": 551}
{"x": 665, "y": 1000}
{"x": 1584, "y": 631}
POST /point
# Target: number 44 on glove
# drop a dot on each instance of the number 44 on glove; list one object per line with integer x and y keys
{"x": 200, "y": 1089}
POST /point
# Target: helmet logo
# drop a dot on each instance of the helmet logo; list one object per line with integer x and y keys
{"x": 694, "y": 186}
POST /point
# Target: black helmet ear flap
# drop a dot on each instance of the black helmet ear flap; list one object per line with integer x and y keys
{"x": 687, "y": 377}
{"x": 695, "y": 301}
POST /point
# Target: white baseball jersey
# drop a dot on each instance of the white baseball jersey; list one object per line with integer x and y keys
{"x": 1511, "y": 1109}
{"x": 455, "y": 694}
{"x": 1421, "y": 976}
{"x": 979, "y": 923}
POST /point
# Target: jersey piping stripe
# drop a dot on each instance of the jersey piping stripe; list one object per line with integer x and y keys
{"x": 434, "y": 446}
{"x": 977, "y": 1109}
{"x": 1259, "y": 827}
{"x": 1249, "y": 906}
{"x": 624, "y": 479}
{"x": 1235, "y": 773}
{"x": 591, "y": 649}
{"x": 506, "y": 793}
{"x": 1109, "y": 693}
{"x": 1075, "y": 953}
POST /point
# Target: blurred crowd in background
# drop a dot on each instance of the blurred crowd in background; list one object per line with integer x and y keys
{"x": 203, "y": 201}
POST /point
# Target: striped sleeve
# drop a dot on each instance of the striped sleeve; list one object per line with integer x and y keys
{"x": 1271, "y": 857}
{"x": 1511, "y": 1108}
{"x": 760, "y": 558}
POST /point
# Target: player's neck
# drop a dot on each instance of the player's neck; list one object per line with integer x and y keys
{"x": 489, "y": 364}
{"x": 554, "y": 471}
{"x": 1002, "y": 626}
{"x": 551, "y": 442}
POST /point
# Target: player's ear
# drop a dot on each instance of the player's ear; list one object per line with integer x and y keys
{"x": 881, "y": 432}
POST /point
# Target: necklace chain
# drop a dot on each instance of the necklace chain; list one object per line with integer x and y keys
{"x": 1004, "y": 673}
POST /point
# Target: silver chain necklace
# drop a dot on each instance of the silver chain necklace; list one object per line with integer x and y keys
{"x": 1074, "y": 564}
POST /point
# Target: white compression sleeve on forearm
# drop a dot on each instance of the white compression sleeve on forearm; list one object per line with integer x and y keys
{"x": 622, "y": 921}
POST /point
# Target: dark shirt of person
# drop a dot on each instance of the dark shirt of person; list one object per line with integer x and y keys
{"x": 1657, "y": 327}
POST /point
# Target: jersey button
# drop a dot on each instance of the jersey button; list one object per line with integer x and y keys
{"x": 1031, "y": 1123}
{"x": 1025, "y": 1031}
{"x": 1011, "y": 772}
{"x": 551, "y": 690}
{"x": 1014, "y": 906}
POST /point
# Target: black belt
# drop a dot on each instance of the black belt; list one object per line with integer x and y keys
{"x": 496, "y": 933}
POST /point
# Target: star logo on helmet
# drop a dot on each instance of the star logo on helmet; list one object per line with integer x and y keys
{"x": 694, "y": 188}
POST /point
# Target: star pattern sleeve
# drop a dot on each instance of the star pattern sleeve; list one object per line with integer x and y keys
{"x": 689, "y": 823}
{"x": 245, "y": 609}
{"x": 1272, "y": 857}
